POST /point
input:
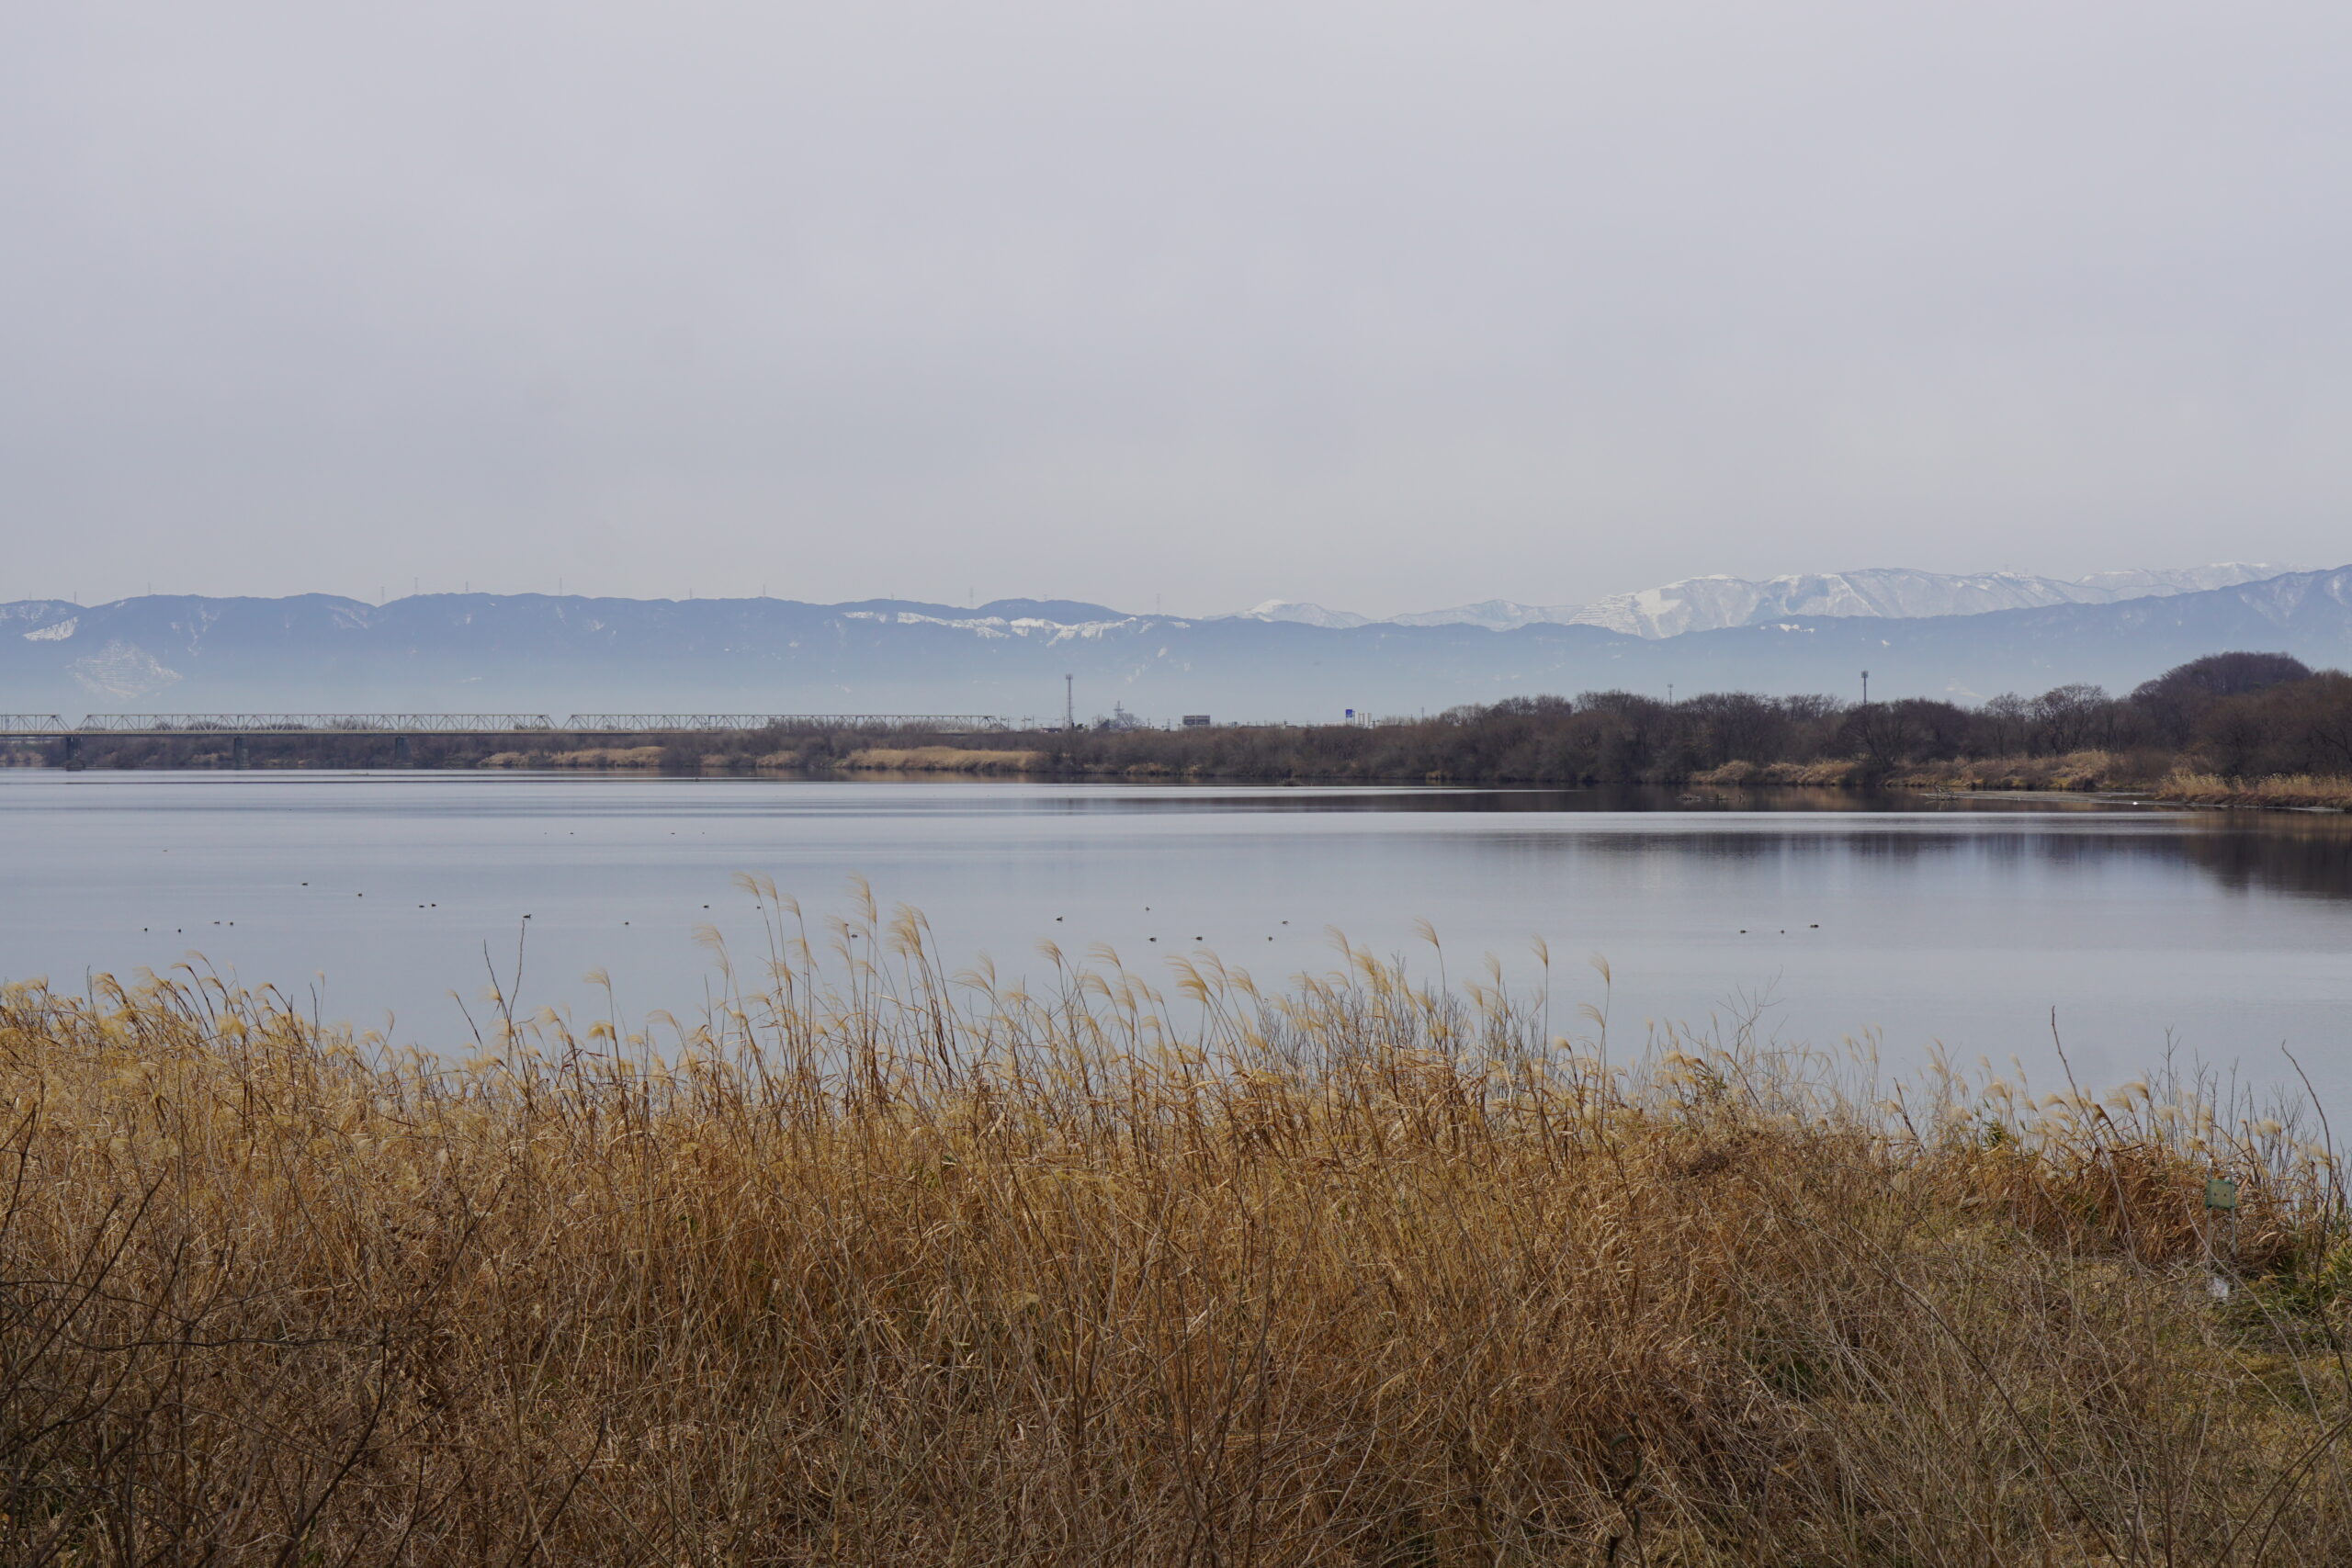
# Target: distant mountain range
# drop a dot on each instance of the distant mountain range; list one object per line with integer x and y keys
{"x": 554, "y": 654}
{"x": 1713, "y": 603}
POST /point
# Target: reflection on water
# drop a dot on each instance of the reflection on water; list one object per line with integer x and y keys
{"x": 1958, "y": 922}
{"x": 1455, "y": 799}
{"x": 2277, "y": 851}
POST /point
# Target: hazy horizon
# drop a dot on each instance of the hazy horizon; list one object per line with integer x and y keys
{"x": 465, "y": 588}
{"x": 1381, "y": 308}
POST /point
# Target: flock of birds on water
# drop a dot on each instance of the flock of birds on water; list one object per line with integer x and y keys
{"x": 180, "y": 930}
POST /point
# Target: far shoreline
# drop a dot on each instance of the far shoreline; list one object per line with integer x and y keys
{"x": 2252, "y": 795}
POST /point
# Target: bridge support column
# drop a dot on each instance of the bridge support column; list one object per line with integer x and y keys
{"x": 237, "y": 751}
{"x": 70, "y": 762}
{"x": 400, "y": 756}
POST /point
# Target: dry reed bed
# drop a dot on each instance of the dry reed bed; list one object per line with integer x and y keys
{"x": 943, "y": 760}
{"x": 879, "y": 1265}
{"x": 599, "y": 758}
{"x": 1836, "y": 772}
{"x": 2306, "y": 791}
{"x": 2090, "y": 770}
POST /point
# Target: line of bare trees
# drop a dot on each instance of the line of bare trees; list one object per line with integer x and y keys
{"x": 2240, "y": 714}
{"x": 2244, "y": 715}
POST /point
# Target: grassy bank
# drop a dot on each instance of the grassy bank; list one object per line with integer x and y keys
{"x": 942, "y": 759}
{"x": 2305, "y": 791}
{"x": 2086, "y": 771}
{"x": 597, "y": 759}
{"x": 1836, "y": 773}
{"x": 877, "y": 1264}
{"x": 2147, "y": 775}
{"x": 2151, "y": 776}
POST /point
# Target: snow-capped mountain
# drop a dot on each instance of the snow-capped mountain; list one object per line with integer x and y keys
{"x": 2190, "y": 580}
{"x": 1713, "y": 604}
{"x": 1495, "y": 614}
{"x": 1297, "y": 614}
{"x": 535, "y": 653}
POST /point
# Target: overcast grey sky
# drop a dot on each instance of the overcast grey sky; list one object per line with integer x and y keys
{"x": 1388, "y": 306}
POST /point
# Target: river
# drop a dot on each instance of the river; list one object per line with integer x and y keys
{"x": 1912, "y": 922}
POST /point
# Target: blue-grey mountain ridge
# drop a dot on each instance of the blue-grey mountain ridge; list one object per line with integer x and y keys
{"x": 479, "y": 652}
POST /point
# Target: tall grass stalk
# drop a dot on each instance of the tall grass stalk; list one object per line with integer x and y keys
{"x": 882, "y": 1263}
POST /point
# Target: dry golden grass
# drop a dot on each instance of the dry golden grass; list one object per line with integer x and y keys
{"x": 879, "y": 1265}
{"x": 601, "y": 758}
{"x": 1829, "y": 772}
{"x": 2309, "y": 791}
{"x": 2090, "y": 770}
{"x": 943, "y": 760}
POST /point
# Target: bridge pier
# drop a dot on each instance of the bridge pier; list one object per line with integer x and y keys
{"x": 237, "y": 751}
{"x": 400, "y": 757}
{"x": 70, "y": 762}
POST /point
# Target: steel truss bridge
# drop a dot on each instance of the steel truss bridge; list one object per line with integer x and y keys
{"x": 736, "y": 722}
{"x": 51, "y": 727}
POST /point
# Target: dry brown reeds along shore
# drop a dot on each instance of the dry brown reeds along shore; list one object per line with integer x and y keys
{"x": 878, "y": 1263}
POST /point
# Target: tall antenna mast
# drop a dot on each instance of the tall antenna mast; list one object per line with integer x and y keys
{"x": 1069, "y": 702}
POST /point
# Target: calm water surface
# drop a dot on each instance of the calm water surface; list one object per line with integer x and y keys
{"x": 2225, "y": 936}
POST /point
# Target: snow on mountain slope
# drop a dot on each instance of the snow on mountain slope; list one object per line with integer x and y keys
{"x": 2192, "y": 580}
{"x": 1709, "y": 604}
{"x": 535, "y": 653}
{"x": 1713, "y": 603}
{"x": 1495, "y": 614}
{"x": 1297, "y": 614}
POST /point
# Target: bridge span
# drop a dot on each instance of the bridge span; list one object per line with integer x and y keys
{"x": 240, "y": 728}
{"x": 53, "y": 727}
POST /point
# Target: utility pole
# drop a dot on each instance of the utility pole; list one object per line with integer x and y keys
{"x": 1069, "y": 702}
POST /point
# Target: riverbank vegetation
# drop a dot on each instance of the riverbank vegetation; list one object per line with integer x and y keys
{"x": 2293, "y": 792}
{"x": 965, "y": 759}
{"x": 2240, "y": 717}
{"x": 875, "y": 1264}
